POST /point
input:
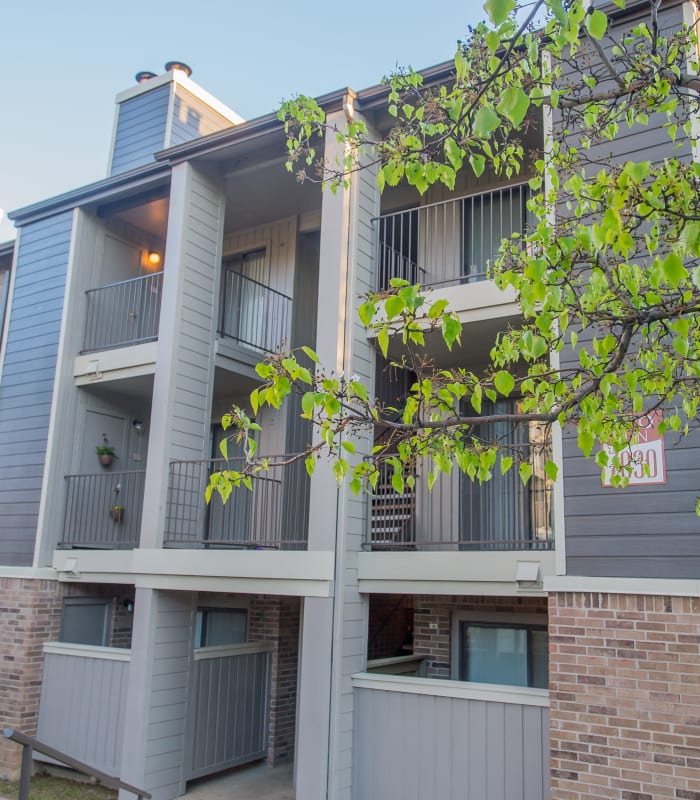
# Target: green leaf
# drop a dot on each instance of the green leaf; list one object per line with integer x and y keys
{"x": 673, "y": 269}
{"x": 597, "y": 24}
{"x": 506, "y": 464}
{"x": 349, "y": 446}
{"x": 504, "y": 382}
{"x": 514, "y": 105}
{"x": 498, "y": 10}
{"x": 551, "y": 469}
{"x": 485, "y": 122}
{"x": 525, "y": 472}
{"x": 307, "y": 404}
{"x": 383, "y": 341}
{"x": 478, "y": 164}
{"x": 223, "y": 447}
{"x": 310, "y": 353}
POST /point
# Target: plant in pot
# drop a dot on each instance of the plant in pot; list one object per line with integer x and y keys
{"x": 105, "y": 454}
{"x": 117, "y": 510}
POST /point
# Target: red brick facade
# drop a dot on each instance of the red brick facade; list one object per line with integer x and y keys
{"x": 625, "y": 696}
{"x": 30, "y": 615}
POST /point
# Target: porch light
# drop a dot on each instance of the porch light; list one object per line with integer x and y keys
{"x": 153, "y": 259}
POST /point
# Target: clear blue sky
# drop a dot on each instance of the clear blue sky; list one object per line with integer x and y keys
{"x": 62, "y": 63}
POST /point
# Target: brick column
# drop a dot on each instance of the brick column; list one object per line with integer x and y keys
{"x": 625, "y": 696}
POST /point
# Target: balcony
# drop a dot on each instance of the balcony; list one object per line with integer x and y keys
{"x": 103, "y": 511}
{"x": 124, "y": 313}
{"x": 500, "y": 515}
{"x": 273, "y": 515}
{"x": 452, "y": 242}
{"x": 253, "y": 314}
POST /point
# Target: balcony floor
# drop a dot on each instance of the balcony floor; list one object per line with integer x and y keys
{"x": 251, "y": 782}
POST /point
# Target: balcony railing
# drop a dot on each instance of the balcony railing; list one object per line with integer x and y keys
{"x": 123, "y": 313}
{"x": 455, "y": 241}
{"x": 500, "y": 514}
{"x": 103, "y": 511}
{"x": 273, "y": 515}
{"x": 253, "y": 314}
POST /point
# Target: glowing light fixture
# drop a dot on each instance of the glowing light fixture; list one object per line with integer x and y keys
{"x": 153, "y": 259}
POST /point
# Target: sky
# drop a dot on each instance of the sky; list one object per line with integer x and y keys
{"x": 61, "y": 65}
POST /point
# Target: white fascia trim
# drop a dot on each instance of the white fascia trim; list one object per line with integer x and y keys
{"x": 459, "y": 690}
{"x": 177, "y": 76}
{"x": 448, "y": 588}
{"x": 29, "y": 573}
{"x": 136, "y": 359}
{"x": 224, "y": 651}
{"x": 677, "y": 587}
{"x": 282, "y": 587}
{"x": 8, "y": 300}
{"x": 88, "y": 651}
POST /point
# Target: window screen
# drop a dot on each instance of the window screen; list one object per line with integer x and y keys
{"x": 220, "y": 626}
{"x": 85, "y": 620}
{"x": 509, "y": 655}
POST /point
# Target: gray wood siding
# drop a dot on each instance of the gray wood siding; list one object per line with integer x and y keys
{"x": 81, "y": 711}
{"x": 193, "y": 365}
{"x": 638, "y": 531}
{"x": 231, "y": 695}
{"x": 416, "y": 746}
{"x": 193, "y": 118}
{"x": 141, "y": 129}
{"x": 354, "y": 508}
{"x": 643, "y": 532}
{"x": 26, "y": 387}
{"x": 166, "y": 703}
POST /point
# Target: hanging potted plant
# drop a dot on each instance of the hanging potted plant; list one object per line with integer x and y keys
{"x": 105, "y": 454}
{"x": 117, "y": 510}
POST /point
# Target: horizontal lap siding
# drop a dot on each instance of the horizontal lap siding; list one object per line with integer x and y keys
{"x": 140, "y": 129}
{"x": 27, "y": 383}
{"x": 415, "y": 746}
{"x": 646, "y": 531}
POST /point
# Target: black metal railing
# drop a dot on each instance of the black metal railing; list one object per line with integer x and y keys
{"x": 454, "y": 241}
{"x": 30, "y": 744}
{"x": 252, "y": 313}
{"x": 273, "y": 514}
{"x": 103, "y": 511}
{"x": 459, "y": 514}
{"x": 123, "y": 313}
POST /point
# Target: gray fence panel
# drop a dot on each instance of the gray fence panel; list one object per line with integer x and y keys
{"x": 412, "y": 746}
{"x": 229, "y": 711}
{"x": 81, "y": 708}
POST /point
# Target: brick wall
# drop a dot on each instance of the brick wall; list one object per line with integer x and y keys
{"x": 625, "y": 696}
{"x": 276, "y": 620}
{"x": 30, "y": 615}
{"x": 432, "y": 624}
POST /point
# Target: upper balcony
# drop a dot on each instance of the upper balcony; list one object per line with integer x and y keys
{"x": 451, "y": 246}
{"x": 123, "y": 314}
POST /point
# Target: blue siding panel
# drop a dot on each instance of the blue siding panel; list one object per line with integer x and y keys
{"x": 140, "y": 129}
{"x": 27, "y": 381}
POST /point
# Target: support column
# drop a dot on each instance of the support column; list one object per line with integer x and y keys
{"x": 155, "y": 718}
{"x": 334, "y": 632}
{"x": 184, "y": 377}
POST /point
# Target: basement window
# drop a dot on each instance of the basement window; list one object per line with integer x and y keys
{"x": 217, "y": 627}
{"x": 85, "y": 620}
{"x": 511, "y": 652}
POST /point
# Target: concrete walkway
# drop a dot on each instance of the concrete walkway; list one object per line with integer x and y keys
{"x": 253, "y": 782}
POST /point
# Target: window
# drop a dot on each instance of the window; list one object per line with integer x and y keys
{"x": 488, "y": 219}
{"x": 511, "y": 652}
{"x": 216, "y": 627}
{"x": 502, "y": 514}
{"x": 85, "y": 620}
{"x": 244, "y": 296}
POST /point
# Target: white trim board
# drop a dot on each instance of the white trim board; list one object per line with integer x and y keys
{"x": 657, "y": 586}
{"x": 460, "y": 690}
{"x": 88, "y": 651}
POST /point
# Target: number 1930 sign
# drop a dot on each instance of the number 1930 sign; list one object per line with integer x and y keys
{"x": 643, "y": 462}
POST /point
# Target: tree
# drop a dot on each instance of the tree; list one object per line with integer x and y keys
{"x": 607, "y": 274}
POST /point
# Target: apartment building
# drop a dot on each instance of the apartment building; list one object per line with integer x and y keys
{"x": 493, "y": 641}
